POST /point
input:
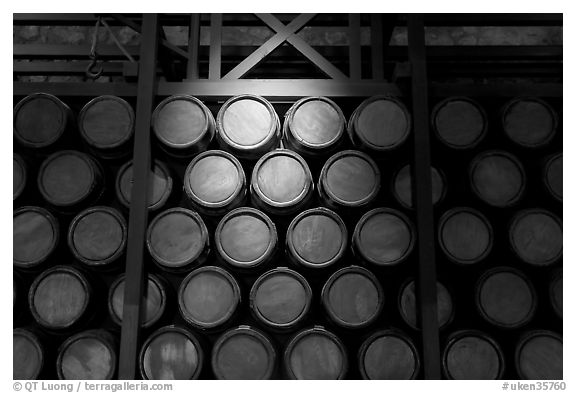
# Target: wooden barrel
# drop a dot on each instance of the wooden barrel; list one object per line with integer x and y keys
{"x": 70, "y": 179}
{"x": 177, "y": 239}
{"x": 154, "y": 298}
{"x": 27, "y": 355}
{"x": 280, "y": 298}
{"x": 553, "y": 170}
{"x": 388, "y": 354}
{"x": 106, "y": 124}
{"x": 243, "y": 353}
{"x": 87, "y": 355}
{"x": 247, "y": 126}
{"x": 59, "y": 298}
{"x": 465, "y": 235}
{"x": 159, "y": 185}
{"x": 555, "y": 293}
{"x": 316, "y": 238}
{"x": 208, "y": 297}
{"x": 183, "y": 125}
{"x": 471, "y": 354}
{"x": 539, "y": 356}
{"x": 40, "y": 120}
{"x": 409, "y": 306}
{"x": 459, "y": 122}
{"x": 97, "y": 236}
{"x": 529, "y": 122}
{"x": 383, "y": 237}
{"x": 314, "y": 126}
{"x": 380, "y": 123}
{"x": 348, "y": 179}
{"x": 215, "y": 183}
{"x": 536, "y": 237}
{"x": 315, "y": 353}
{"x": 505, "y": 297}
{"x": 352, "y": 297}
{"x": 246, "y": 238}
{"x": 281, "y": 183}
{"x": 18, "y": 176}
{"x": 497, "y": 178}
{"x": 171, "y": 352}
{"x": 402, "y": 188}
{"x": 35, "y": 236}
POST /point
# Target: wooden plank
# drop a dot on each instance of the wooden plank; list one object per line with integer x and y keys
{"x": 193, "y": 47}
{"x": 497, "y": 89}
{"x": 355, "y": 53}
{"x": 63, "y": 68}
{"x": 75, "y": 89}
{"x": 215, "y": 67}
{"x": 376, "y": 44}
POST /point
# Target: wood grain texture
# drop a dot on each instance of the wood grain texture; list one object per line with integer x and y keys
{"x": 536, "y": 237}
{"x": 316, "y": 123}
{"x": 39, "y": 120}
{"x": 27, "y": 355}
{"x": 465, "y": 235}
{"x": 107, "y": 122}
{"x": 67, "y": 178}
{"x": 18, "y": 176}
{"x": 170, "y": 355}
{"x": 459, "y": 123}
{"x": 34, "y": 237}
{"x": 88, "y": 358}
{"x": 154, "y": 302}
{"x": 409, "y": 306}
{"x": 159, "y": 185}
{"x": 540, "y": 357}
{"x": 382, "y": 123}
{"x": 553, "y": 176}
{"x": 316, "y": 356}
{"x": 351, "y": 179}
{"x": 247, "y": 122}
{"x": 214, "y": 179}
{"x": 99, "y": 235}
{"x": 403, "y": 186}
{"x": 389, "y": 357}
{"x": 529, "y": 122}
{"x": 472, "y": 357}
{"x": 179, "y": 121}
{"x": 282, "y": 178}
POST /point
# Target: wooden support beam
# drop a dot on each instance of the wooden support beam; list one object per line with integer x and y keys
{"x": 193, "y": 47}
{"x": 215, "y": 67}
{"x": 376, "y": 44}
{"x": 355, "y": 53}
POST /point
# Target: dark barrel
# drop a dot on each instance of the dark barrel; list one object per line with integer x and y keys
{"x": 243, "y": 353}
{"x": 505, "y": 297}
{"x": 177, "y": 239}
{"x": 352, "y": 297}
{"x": 465, "y": 235}
{"x": 529, "y": 122}
{"x": 281, "y": 183}
{"x": 280, "y": 298}
{"x": 106, "y": 124}
{"x": 171, "y": 352}
{"x": 316, "y": 238}
{"x": 470, "y": 354}
{"x": 383, "y": 237}
{"x": 497, "y": 178}
{"x": 35, "y": 236}
{"x": 536, "y": 237}
{"x": 215, "y": 183}
{"x": 553, "y": 171}
{"x": 19, "y": 176}
{"x": 313, "y": 126}
{"x": 408, "y": 305}
{"x": 402, "y": 186}
{"x": 247, "y": 126}
{"x": 27, "y": 355}
{"x": 349, "y": 179}
{"x": 87, "y": 355}
{"x": 315, "y": 353}
{"x": 380, "y": 123}
{"x": 539, "y": 355}
{"x": 208, "y": 297}
{"x": 159, "y": 185}
{"x": 388, "y": 354}
{"x": 459, "y": 122}
{"x": 40, "y": 119}
{"x": 555, "y": 292}
{"x": 97, "y": 236}
{"x": 246, "y": 238}
{"x": 183, "y": 125}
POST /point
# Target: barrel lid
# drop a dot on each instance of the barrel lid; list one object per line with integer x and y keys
{"x": 67, "y": 177}
{"x": 280, "y": 298}
{"x": 208, "y": 297}
{"x": 97, "y": 236}
{"x": 181, "y": 121}
{"x": 408, "y": 305}
{"x": 459, "y": 122}
{"x": 539, "y": 355}
{"x": 106, "y": 122}
{"x": 35, "y": 236}
{"x": 388, "y": 354}
{"x": 529, "y": 121}
{"x": 381, "y": 122}
{"x": 384, "y": 236}
{"x": 171, "y": 352}
{"x": 497, "y": 178}
{"x": 536, "y": 237}
{"x": 317, "y": 238}
{"x": 59, "y": 297}
{"x": 403, "y": 186}
{"x": 18, "y": 175}
{"x": 472, "y": 354}
{"x": 505, "y": 297}
{"x": 27, "y": 355}
{"x": 159, "y": 186}
{"x": 555, "y": 293}
{"x": 353, "y": 297}
{"x": 350, "y": 178}
{"x": 39, "y": 120}
{"x": 243, "y": 353}
{"x": 245, "y": 237}
{"x": 315, "y": 353}
{"x": 465, "y": 235}
{"x": 87, "y": 355}
{"x": 214, "y": 179}
{"x": 553, "y": 176}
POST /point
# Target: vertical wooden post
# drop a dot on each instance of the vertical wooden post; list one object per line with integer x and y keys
{"x": 355, "y": 53}
{"x": 215, "y": 67}
{"x": 193, "y": 47}
{"x": 377, "y": 46}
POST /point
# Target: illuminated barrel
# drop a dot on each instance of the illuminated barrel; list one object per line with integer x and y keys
{"x": 555, "y": 295}
{"x": 459, "y": 122}
{"x": 539, "y": 356}
{"x": 408, "y": 305}
{"x": 536, "y": 237}
{"x": 35, "y": 236}
{"x": 159, "y": 185}
{"x": 402, "y": 186}
{"x": 27, "y": 355}
{"x": 529, "y": 122}
{"x": 553, "y": 171}
{"x": 19, "y": 176}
